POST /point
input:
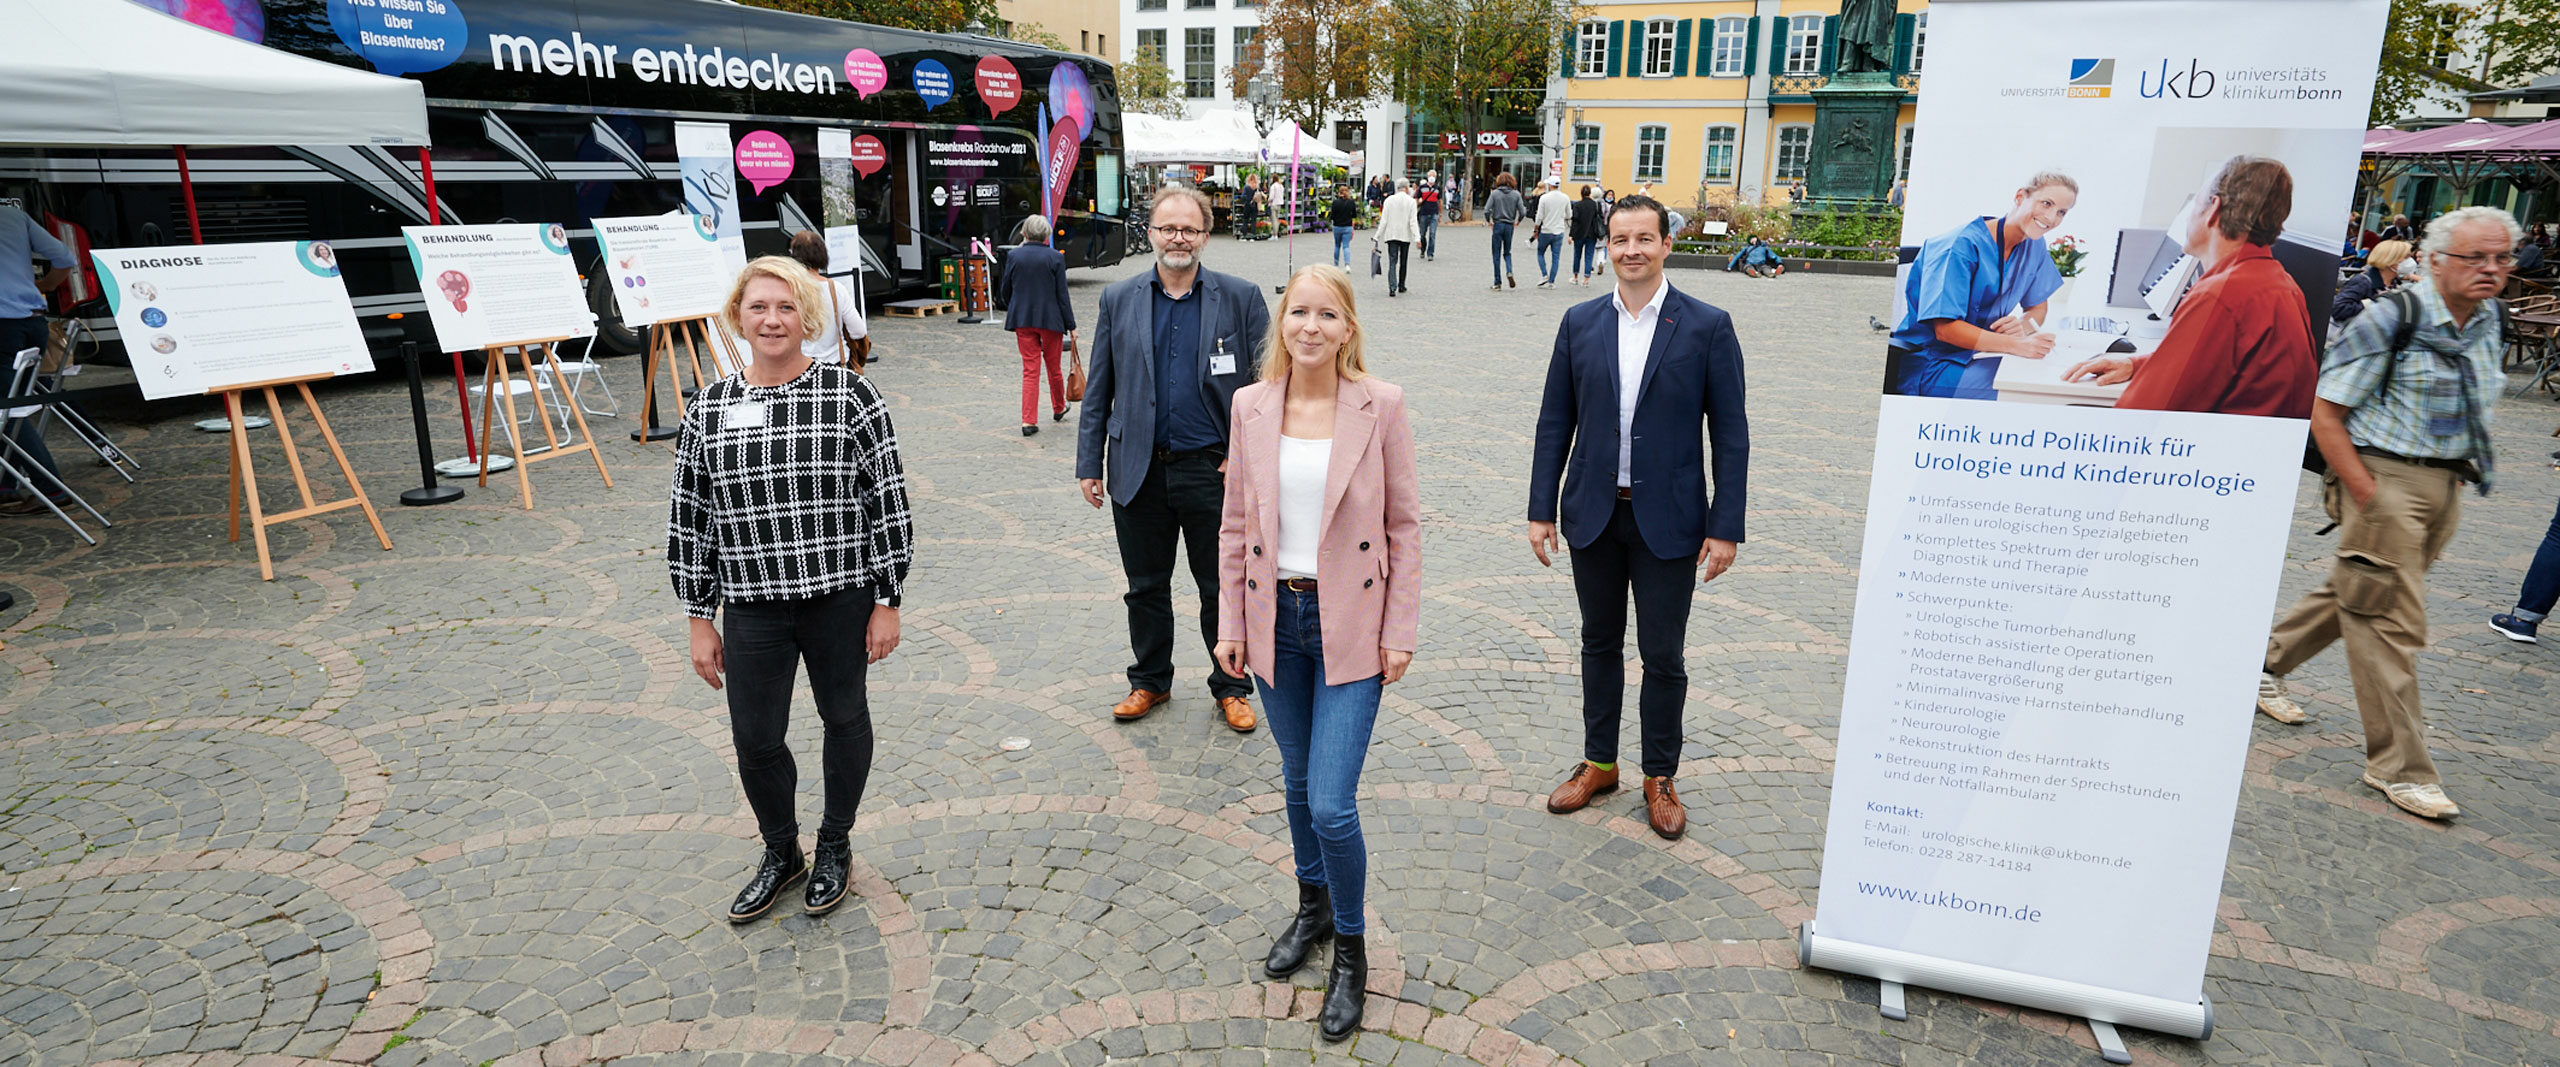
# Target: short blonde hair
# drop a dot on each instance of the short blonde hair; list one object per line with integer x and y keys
{"x": 1347, "y": 361}
{"x": 805, "y": 293}
{"x": 2387, "y": 255}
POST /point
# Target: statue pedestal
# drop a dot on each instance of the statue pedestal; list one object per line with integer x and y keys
{"x": 1855, "y": 138}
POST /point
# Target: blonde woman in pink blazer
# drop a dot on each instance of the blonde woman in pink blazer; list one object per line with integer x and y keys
{"x": 1320, "y": 495}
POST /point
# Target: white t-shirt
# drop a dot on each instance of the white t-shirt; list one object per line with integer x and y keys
{"x": 1635, "y": 343}
{"x": 825, "y": 348}
{"x": 1302, "y": 469}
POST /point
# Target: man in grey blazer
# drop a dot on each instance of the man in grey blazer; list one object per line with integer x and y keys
{"x": 1170, "y": 349}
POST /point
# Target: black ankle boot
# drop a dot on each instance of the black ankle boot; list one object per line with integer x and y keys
{"x": 773, "y": 875}
{"x": 829, "y": 874}
{"x": 1314, "y": 923}
{"x": 1346, "y": 989}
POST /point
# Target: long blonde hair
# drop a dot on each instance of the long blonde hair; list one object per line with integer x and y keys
{"x": 1347, "y": 363}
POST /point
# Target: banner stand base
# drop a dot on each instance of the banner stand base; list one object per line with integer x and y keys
{"x": 2105, "y": 1009}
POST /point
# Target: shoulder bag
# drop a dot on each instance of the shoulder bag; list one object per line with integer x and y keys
{"x": 1075, "y": 373}
{"x": 857, "y": 350}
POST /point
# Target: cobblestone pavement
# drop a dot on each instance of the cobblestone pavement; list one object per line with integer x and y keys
{"x": 462, "y": 802}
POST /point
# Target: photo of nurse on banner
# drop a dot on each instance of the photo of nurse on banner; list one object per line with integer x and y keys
{"x": 2196, "y": 288}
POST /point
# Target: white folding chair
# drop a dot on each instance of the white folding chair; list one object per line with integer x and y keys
{"x": 575, "y": 371}
{"x": 109, "y": 453}
{"x": 537, "y": 389}
{"x": 21, "y": 465}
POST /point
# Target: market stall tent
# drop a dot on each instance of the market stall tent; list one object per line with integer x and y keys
{"x": 1214, "y": 137}
{"x": 1308, "y": 149}
{"x": 111, "y": 72}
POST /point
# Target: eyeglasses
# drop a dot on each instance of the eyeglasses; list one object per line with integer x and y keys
{"x": 2478, "y": 260}
{"x": 1179, "y": 233}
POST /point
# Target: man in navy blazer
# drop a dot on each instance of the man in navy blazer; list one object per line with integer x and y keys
{"x": 1633, "y": 375}
{"x": 1170, "y": 349}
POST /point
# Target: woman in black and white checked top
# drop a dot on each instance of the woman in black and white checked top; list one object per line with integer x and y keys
{"x": 789, "y": 513}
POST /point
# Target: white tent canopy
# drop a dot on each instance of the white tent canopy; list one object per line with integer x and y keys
{"x": 1310, "y": 150}
{"x": 1214, "y": 137}
{"x": 110, "y": 72}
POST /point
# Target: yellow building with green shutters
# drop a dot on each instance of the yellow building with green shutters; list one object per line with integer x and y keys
{"x": 1680, "y": 95}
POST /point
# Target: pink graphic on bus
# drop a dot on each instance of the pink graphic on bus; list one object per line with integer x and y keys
{"x": 999, "y": 84}
{"x": 764, "y": 159}
{"x": 865, "y": 72}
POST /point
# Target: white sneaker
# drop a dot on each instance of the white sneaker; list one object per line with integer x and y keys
{"x": 2427, "y": 801}
{"x": 2275, "y": 705}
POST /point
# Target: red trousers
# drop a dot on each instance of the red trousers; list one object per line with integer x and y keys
{"x": 1040, "y": 347}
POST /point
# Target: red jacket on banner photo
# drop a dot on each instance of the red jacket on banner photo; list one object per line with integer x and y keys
{"x": 2239, "y": 344}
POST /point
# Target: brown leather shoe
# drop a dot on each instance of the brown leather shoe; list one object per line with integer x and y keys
{"x": 1239, "y": 713}
{"x": 1138, "y": 703}
{"x": 1662, "y": 809}
{"x": 1585, "y": 783}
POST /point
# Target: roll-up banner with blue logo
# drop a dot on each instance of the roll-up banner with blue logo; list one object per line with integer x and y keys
{"x": 2120, "y": 244}
{"x": 708, "y": 159}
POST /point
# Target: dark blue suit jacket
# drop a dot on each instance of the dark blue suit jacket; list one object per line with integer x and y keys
{"x": 1034, "y": 290}
{"x": 1694, "y": 371}
{"x": 1116, "y": 431}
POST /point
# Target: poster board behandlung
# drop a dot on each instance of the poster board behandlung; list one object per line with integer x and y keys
{"x": 663, "y": 267}
{"x": 497, "y": 285}
{"x": 206, "y": 317}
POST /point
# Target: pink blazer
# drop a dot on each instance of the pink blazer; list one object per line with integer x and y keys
{"x": 1370, "y": 562}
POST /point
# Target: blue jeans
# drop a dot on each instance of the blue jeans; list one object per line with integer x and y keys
{"x": 1342, "y": 247}
{"x": 2542, "y": 580}
{"x": 1501, "y": 252}
{"x": 1323, "y": 734}
{"x": 1550, "y": 255}
{"x": 1430, "y": 236}
{"x": 1586, "y": 256}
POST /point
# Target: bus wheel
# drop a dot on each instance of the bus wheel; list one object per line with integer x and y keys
{"x": 612, "y": 334}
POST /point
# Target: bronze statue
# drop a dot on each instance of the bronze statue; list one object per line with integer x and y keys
{"x": 1866, "y": 37}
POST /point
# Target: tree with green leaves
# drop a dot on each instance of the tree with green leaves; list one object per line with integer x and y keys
{"x": 1146, "y": 85}
{"x": 2417, "y": 42}
{"x": 2520, "y": 41}
{"x": 1321, "y": 55}
{"x": 1475, "y": 61}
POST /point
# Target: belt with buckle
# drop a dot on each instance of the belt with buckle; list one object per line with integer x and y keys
{"x": 1298, "y": 585}
{"x": 1166, "y": 455}
{"x": 1625, "y": 493}
{"x": 2458, "y": 466}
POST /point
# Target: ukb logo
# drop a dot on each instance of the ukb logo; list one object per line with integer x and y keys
{"x": 2193, "y": 83}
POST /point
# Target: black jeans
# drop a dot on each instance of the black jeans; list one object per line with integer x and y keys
{"x": 1602, "y": 575}
{"x": 1398, "y": 254}
{"x": 1181, "y": 498}
{"x": 16, "y": 335}
{"x": 762, "y": 646}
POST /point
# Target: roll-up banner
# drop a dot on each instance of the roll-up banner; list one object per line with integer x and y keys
{"x": 708, "y": 160}
{"x": 2118, "y": 253}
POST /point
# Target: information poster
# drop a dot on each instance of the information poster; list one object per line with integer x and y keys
{"x": 497, "y": 285}
{"x": 206, "y": 317}
{"x": 2083, "y": 484}
{"x": 663, "y": 267}
{"x": 709, "y": 163}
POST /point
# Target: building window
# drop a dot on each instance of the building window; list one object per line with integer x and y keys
{"x": 1102, "y": 44}
{"x": 1657, "y": 48}
{"x": 1248, "y": 3}
{"x": 1730, "y": 46}
{"x": 1804, "y": 45}
{"x": 1795, "y": 150}
{"x": 2440, "y": 39}
{"x": 1591, "y": 50}
{"x": 1586, "y": 151}
{"x": 1200, "y": 62}
{"x": 1248, "y": 44}
{"x": 1717, "y": 165}
{"x": 1919, "y": 40}
{"x": 1150, "y": 5}
{"x": 1151, "y": 45}
{"x": 1650, "y": 143}
{"x": 1902, "y": 171}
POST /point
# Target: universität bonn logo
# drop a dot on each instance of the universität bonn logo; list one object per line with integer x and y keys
{"x": 2092, "y": 78}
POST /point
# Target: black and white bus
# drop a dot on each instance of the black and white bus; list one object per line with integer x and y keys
{"x": 566, "y": 110}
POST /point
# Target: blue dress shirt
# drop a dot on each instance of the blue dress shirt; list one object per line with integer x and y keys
{"x": 1183, "y": 419}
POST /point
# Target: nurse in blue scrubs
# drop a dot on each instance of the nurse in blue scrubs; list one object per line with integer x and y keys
{"x": 1979, "y": 291}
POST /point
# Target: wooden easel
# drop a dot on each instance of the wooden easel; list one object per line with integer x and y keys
{"x": 697, "y": 334}
{"x": 495, "y": 390}
{"x": 244, "y": 477}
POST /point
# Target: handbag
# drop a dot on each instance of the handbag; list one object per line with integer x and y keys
{"x": 1075, "y": 374}
{"x": 857, "y": 350}
{"x": 1377, "y": 259}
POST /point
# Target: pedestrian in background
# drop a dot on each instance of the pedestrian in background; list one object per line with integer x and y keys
{"x": 1397, "y": 227}
{"x": 1503, "y": 210}
{"x": 1170, "y": 349}
{"x": 1426, "y": 203}
{"x": 1379, "y": 189}
{"x": 1554, "y": 218}
{"x": 1319, "y": 596}
{"x": 1344, "y": 212}
{"x": 1248, "y": 208}
{"x": 23, "y": 243}
{"x": 2541, "y": 590}
{"x": 1647, "y": 363}
{"x": 2401, "y": 435}
{"x": 842, "y": 336}
{"x": 2384, "y": 267}
{"x": 1036, "y": 309}
{"x": 787, "y": 520}
{"x": 1589, "y": 225}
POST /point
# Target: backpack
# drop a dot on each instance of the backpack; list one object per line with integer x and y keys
{"x": 2404, "y": 304}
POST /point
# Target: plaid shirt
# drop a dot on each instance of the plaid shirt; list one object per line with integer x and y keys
{"x": 811, "y": 502}
{"x": 2432, "y": 402}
